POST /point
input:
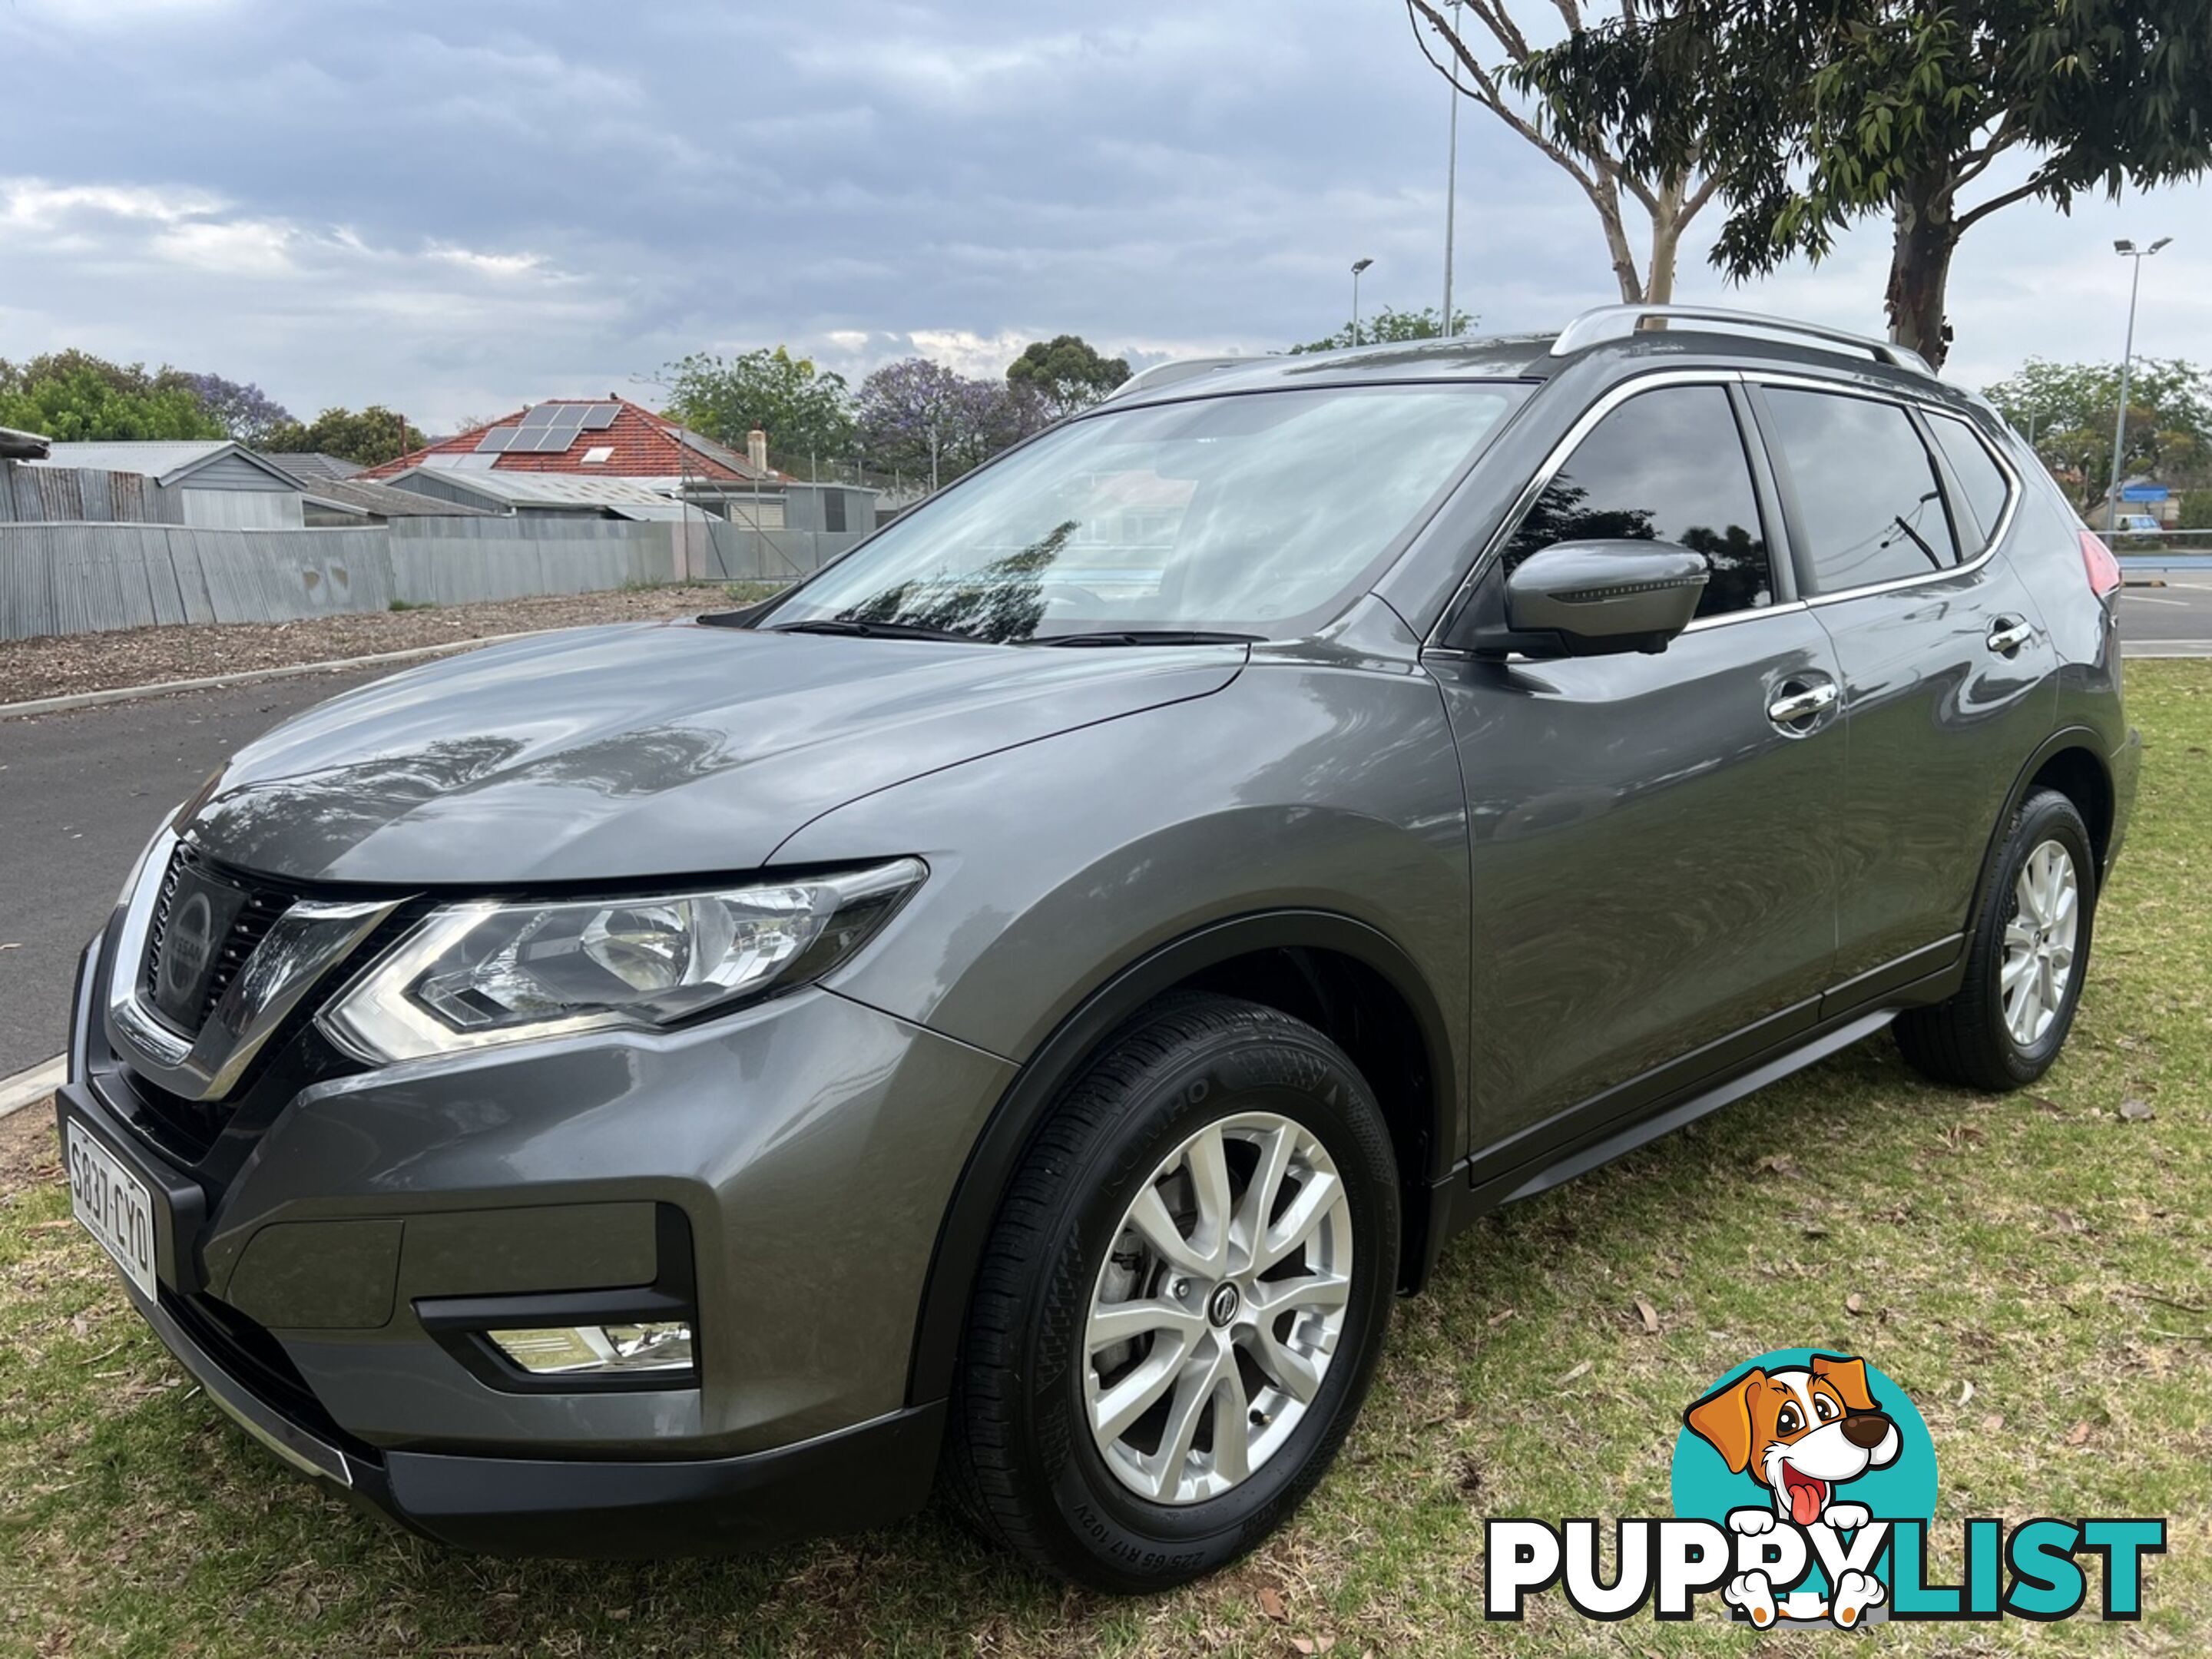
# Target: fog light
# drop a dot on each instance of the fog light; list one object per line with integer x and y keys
{"x": 600, "y": 1350}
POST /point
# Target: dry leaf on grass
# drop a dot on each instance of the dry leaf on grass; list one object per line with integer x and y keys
{"x": 1852, "y": 1305}
{"x": 1648, "y": 1314}
{"x": 2137, "y": 1111}
{"x": 1580, "y": 1370}
{"x": 2078, "y": 1435}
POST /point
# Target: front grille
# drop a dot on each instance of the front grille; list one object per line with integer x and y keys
{"x": 258, "y": 911}
{"x": 183, "y": 1128}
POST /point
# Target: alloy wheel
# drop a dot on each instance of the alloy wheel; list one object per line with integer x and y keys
{"x": 1217, "y": 1313}
{"x": 2039, "y": 942}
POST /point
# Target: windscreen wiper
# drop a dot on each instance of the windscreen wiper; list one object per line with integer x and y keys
{"x": 876, "y": 630}
{"x": 1149, "y": 636}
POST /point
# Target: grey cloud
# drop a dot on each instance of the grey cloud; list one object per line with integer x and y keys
{"x": 451, "y": 209}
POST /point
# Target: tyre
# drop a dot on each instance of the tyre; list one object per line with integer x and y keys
{"x": 1182, "y": 1300}
{"x": 2025, "y": 964}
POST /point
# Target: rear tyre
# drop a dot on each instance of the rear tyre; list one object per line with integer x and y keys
{"x": 1182, "y": 1301}
{"x": 2025, "y": 965}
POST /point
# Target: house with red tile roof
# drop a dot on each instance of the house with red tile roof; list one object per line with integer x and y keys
{"x": 608, "y": 437}
{"x": 610, "y": 457}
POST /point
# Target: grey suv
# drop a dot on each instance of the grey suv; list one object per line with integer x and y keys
{"x": 1010, "y": 1015}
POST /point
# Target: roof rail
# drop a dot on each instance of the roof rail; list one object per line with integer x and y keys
{"x": 1186, "y": 368}
{"x": 1617, "y": 322}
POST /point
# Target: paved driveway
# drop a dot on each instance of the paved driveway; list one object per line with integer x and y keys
{"x": 79, "y": 793}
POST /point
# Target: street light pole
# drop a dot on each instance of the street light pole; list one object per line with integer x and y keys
{"x": 2127, "y": 250}
{"x": 1451, "y": 189}
{"x": 1357, "y": 265}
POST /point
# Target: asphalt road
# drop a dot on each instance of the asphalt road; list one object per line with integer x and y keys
{"x": 2173, "y": 621}
{"x": 79, "y": 793}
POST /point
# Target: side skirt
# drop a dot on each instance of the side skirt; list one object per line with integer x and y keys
{"x": 1489, "y": 1180}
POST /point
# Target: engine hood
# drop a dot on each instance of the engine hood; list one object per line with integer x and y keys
{"x": 653, "y": 749}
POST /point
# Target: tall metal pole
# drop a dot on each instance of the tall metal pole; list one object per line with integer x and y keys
{"x": 2127, "y": 250}
{"x": 1451, "y": 190}
{"x": 1357, "y": 265}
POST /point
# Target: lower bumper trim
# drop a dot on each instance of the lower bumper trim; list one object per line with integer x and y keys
{"x": 868, "y": 1475}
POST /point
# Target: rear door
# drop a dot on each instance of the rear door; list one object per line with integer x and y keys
{"x": 1649, "y": 835}
{"x": 1947, "y": 670}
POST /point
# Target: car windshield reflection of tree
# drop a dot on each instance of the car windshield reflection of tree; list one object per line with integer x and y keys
{"x": 1736, "y": 557}
{"x": 1003, "y": 600}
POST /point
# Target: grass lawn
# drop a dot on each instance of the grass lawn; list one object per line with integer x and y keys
{"x": 2032, "y": 1269}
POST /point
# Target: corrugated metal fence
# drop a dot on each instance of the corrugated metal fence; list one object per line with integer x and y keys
{"x": 88, "y": 578}
{"x": 41, "y": 495}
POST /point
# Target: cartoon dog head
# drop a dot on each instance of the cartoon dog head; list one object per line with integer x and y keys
{"x": 1804, "y": 1432}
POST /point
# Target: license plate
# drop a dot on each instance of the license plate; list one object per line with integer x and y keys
{"x": 113, "y": 1206}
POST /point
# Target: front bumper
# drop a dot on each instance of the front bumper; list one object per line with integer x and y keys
{"x": 864, "y": 1476}
{"x": 808, "y": 1147}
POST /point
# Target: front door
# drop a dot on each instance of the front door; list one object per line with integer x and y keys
{"x": 1652, "y": 863}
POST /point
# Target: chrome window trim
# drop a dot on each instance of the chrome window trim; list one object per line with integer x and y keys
{"x": 1620, "y": 394}
{"x": 1553, "y": 461}
{"x": 1852, "y": 389}
{"x": 2014, "y": 484}
{"x": 302, "y": 946}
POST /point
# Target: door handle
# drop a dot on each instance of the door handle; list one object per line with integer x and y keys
{"x": 1801, "y": 702}
{"x": 2008, "y": 634}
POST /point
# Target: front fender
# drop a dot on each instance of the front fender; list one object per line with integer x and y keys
{"x": 1308, "y": 806}
{"x": 1054, "y": 866}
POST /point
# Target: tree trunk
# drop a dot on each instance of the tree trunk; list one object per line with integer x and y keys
{"x": 1605, "y": 195}
{"x": 1666, "y": 241}
{"x": 1920, "y": 268}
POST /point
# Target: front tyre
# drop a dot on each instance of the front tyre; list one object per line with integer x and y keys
{"x": 1182, "y": 1301}
{"x": 2004, "y": 1027}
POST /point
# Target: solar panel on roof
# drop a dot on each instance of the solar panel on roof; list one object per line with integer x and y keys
{"x": 498, "y": 440}
{"x": 600, "y": 417}
{"x": 534, "y": 418}
{"x": 555, "y": 439}
{"x": 570, "y": 416}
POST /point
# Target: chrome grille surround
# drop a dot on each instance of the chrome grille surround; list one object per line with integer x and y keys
{"x": 299, "y": 948}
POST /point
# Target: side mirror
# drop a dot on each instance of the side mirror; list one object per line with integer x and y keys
{"x": 1587, "y": 599}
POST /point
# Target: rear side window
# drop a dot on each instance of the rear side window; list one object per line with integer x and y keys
{"x": 1667, "y": 466}
{"x": 1867, "y": 488}
{"x": 1981, "y": 480}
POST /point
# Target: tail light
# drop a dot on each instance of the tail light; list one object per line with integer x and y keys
{"x": 2096, "y": 559}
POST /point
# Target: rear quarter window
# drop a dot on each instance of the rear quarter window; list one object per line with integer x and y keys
{"x": 1981, "y": 480}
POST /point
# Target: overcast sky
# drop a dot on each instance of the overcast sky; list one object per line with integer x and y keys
{"x": 452, "y": 210}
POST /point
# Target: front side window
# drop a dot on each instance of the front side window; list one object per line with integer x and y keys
{"x": 1981, "y": 480}
{"x": 1257, "y": 513}
{"x": 1871, "y": 506}
{"x": 1667, "y": 466}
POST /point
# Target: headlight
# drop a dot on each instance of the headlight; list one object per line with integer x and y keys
{"x": 474, "y": 974}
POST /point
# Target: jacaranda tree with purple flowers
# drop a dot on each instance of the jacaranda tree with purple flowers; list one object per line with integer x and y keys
{"x": 922, "y": 419}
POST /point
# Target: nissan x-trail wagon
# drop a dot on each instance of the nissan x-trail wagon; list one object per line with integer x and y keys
{"x": 1010, "y": 1015}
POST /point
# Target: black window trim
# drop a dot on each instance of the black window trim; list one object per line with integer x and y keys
{"x": 1916, "y": 409}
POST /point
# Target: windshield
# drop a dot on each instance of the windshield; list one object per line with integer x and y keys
{"x": 1253, "y": 514}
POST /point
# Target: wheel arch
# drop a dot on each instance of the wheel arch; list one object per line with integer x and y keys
{"x": 2070, "y": 762}
{"x": 1339, "y": 974}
